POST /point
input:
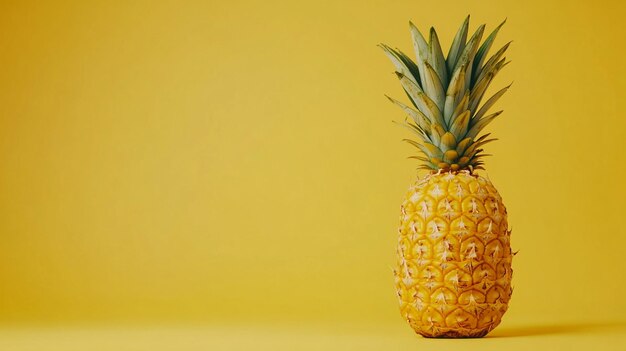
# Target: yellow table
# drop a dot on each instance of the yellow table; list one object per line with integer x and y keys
{"x": 605, "y": 337}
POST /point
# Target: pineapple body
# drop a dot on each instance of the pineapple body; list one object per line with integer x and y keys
{"x": 453, "y": 275}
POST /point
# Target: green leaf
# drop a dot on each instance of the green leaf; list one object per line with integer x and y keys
{"x": 493, "y": 60}
{"x": 421, "y": 100}
{"x": 468, "y": 54}
{"x": 462, "y": 145}
{"x": 487, "y": 141}
{"x": 430, "y": 150}
{"x": 436, "y": 59}
{"x": 436, "y": 134}
{"x": 476, "y": 160}
{"x": 454, "y": 94}
{"x": 463, "y": 161}
{"x": 398, "y": 63}
{"x": 483, "y": 50}
{"x": 492, "y": 100}
{"x": 412, "y": 90}
{"x": 450, "y": 156}
{"x": 479, "y": 91}
{"x": 458, "y": 44}
{"x": 432, "y": 86}
{"x": 421, "y": 48}
{"x": 423, "y": 159}
{"x": 414, "y": 143}
{"x": 428, "y": 166}
{"x": 483, "y": 83}
{"x": 480, "y": 124}
{"x": 459, "y": 126}
{"x": 461, "y": 107}
{"x": 448, "y": 142}
{"x": 417, "y": 116}
{"x": 482, "y": 137}
{"x": 411, "y": 126}
{"x": 493, "y": 69}
{"x": 412, "y": 66}
{"x": 435, "y": 152}
{"x": 413, "y": 129}
{"x": 439, "y": 129}
{"x": 472, "y": 149}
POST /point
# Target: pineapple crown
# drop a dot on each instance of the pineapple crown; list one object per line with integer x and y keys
{"x": 446, "y": 93}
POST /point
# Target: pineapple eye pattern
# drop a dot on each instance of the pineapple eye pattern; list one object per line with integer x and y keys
{"x": 454, "y": 265}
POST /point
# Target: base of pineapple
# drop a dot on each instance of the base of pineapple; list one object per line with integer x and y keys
{"x": 455, "y": 334}
{"x": 467, "y": 329}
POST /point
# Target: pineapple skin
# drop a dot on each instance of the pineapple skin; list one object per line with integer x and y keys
{"x": 453, "y": 273}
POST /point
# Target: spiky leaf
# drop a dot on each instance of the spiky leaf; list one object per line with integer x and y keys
{"x": 417, "y": 116}
{"x": 420, "y": 46}
{"x": 483, "y": 84}
{"x": 468, "y": 54}
{"x": 432, "y": 86}
{"x": 483, "y": 50}
{"x": 492, "y": 100}
{"x": 436, "y": 59}
{"x": 461, "y": 107}
{"x": 448, "y": 142}
{"x": 398, "y": 63}
{"x": 446, "y": 94}
{"x": 412, "y": 66}
{"x": 458, "y": 44}
{"x": 421, "y": 100}
{"x": 480, "y": 124}
{"x": 436, "y": 132}
{"x": 450, "y": 156}
{"x": 459, "y": 126}
{"x": 454, "y": 93}
{"x": 493, "y": 60}
{"x": 462, "y": 145}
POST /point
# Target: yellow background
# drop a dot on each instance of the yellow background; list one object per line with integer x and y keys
{"x": 235, "y": 162}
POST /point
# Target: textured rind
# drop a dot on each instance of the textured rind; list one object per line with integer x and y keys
{"x": 453, "y": 275}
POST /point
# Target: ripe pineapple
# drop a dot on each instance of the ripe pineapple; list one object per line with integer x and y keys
{"x": 453, "y": 276}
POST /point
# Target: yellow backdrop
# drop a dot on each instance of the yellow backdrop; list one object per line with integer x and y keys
{"x": 236, "y": 160}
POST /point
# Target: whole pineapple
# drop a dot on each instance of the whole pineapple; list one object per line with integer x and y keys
{"x": 453, "y": 276}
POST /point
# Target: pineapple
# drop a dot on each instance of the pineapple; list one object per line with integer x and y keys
{"x": 453, "y": 275}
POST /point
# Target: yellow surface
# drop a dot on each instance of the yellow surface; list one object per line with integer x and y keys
{"x": 214, "y": 161}
{"x": 605, "y": 337}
